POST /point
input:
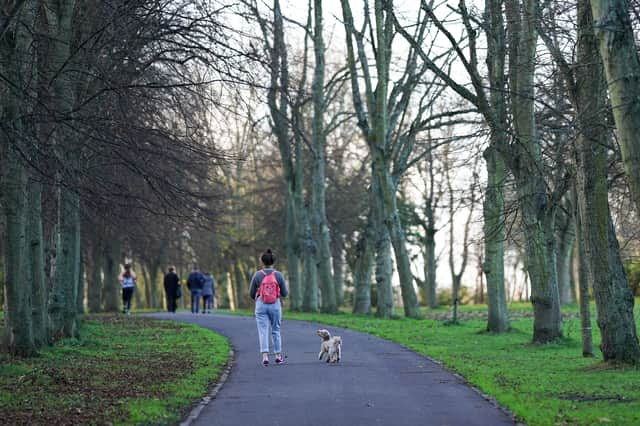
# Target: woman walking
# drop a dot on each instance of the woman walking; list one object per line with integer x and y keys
{"x": 128, "y": 281}
{"x": 267, "y": 287}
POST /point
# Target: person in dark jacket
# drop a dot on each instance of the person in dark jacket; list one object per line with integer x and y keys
{"x": 171, "y": 285}
{"x": 195, "y": 282}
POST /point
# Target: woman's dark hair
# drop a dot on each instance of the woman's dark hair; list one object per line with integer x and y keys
{"x": 268, "y": 258}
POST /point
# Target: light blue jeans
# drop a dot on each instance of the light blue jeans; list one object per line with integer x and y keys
{"x": 269, "y": 314}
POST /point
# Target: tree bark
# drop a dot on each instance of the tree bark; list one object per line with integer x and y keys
{"x": 614, "y": 300}
{"x": 493, "y": 206}
{"x": 241, "y": 290}
{"x": 338, "y": 262}
{"x": 81, "y": 287}
{"x": 583, "y": 280}
{"x": 310, "y": 302}
{"x": 318, "y": 205}
{"x": 536, "y": 207}
{"x": 112, "y": 287}
{"x": 494, "y": 236}
{"x": 565, "y": 243}
{"x": 63, "y": 294}
{"x": 278, "y": 101}
{"x": 384, "y": 191}
{"x": 430, "y": 280}
{"x": 616, "y": 43}
{"x": 62, "y": 307}
{"x": 36, "y": 257}
{"x": 385, "y": 307}
{"x": 385, "y": 188}
{"x": 363, "y": 270}
{"x": 95, "y": 284}
{"x": 15, "y": 46}
{"x": 18, "y": 311}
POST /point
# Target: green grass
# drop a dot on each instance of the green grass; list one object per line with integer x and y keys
{"x": 542, "y": 384}
{"x": 123, "y": 370}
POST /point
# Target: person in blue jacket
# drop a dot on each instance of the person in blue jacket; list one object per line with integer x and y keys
{"x": 195, "y": 282}
{"x": 208, "y": 293}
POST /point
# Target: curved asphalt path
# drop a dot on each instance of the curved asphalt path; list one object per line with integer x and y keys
{"x": 376, "y": 383}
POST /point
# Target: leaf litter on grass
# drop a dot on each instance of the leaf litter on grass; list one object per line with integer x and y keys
{"x": 90, "y": 381}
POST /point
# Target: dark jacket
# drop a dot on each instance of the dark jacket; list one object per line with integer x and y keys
{"x": 171, "y": 283}
{"x": 257, "y": 280}
{"x": 195, "y": 280}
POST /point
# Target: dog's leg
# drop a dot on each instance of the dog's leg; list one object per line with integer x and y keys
{"x": 339, "y": 353}
{"x": 323, "y": 351}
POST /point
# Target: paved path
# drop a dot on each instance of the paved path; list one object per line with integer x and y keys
{"x": 376, "y": 383}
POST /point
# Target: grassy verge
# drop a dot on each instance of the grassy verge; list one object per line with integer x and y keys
{"x": 542, "y": 384}
{"x": 124, "y": 370}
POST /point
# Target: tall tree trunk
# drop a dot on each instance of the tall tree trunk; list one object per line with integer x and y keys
{"x": 338, "y": 262}
{"x": 95, "y": 284}
{"x": 363, "y": 269}
{"x": 293, "y": 250}
{"x": 230, "y": 292}
{"x": 384, "y": 271}
{"x": 112, "y": 288}
{"x": 455, "y": 297}
{"x": 153, "y": 281}
{"x": 63, "y": 294}
{"x": 384, "y": 265}
{"x": 494, "y": 236}
{"x": 386, "y": 202}
{"x": 148, "y": 297}
{"x": 36, "y": 256}
{"x": 565, "y": 241}
{"x": 614, "y": 300}
{"x": 385, "y": 189}
{"x": 399, "y": 242}
{"x": 583, "y": 280}
{"x": 493, "y": 206}
{"x": 430, "y": 283}
{"x": 542, "y": 271}
{"x": 310, "y": 302}
{"x": 616, "y": 42}
{"x": 18, "y": 312}
{"x": 536, "y": 208}
{"x": 81, "y": 287}
{"x": 241, "y": 292}
{"x": 65, "y": 280}
{"x": 295, "y": 227}
{"x": 318, "y": 204}
{"x": 15, "y": 48}
{"x": 278, "y": 102}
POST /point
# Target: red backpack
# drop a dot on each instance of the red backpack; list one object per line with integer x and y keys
{"x": 269, "y": 288}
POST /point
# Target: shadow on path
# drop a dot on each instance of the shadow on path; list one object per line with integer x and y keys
{"x": 376, "y": 383}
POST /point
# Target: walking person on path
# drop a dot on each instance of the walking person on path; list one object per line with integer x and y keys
{"x": 208, "y": 293}
{"x": 171, "y": 285}
{"x": 195, "y": 282}
{"x": 128, "y": 281}
{"x": 267, "y": 286}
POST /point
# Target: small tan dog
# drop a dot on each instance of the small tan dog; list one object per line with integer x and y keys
{"x": 332, "y": 346}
